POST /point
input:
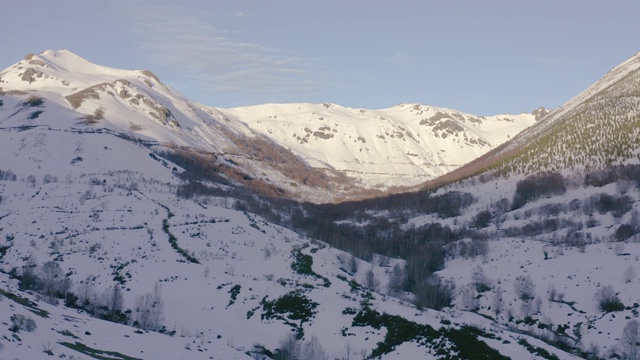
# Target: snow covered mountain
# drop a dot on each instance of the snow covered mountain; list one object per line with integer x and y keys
{"x": 98, "y": 216}
{"x": 315, "y": 152}
{"x": 110, "y": 249}
{"x": 400, "y": 146}
{"x": 598, "y": 128}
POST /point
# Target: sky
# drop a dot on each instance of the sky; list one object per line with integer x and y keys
{"x": 482, "y": 57}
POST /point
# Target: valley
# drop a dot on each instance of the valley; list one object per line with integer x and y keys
{"x": 135, "y": 224}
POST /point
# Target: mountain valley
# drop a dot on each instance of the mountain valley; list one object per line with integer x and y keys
{"x": 136, "y": 224}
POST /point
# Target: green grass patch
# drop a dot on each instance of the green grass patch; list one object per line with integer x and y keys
{"x": 537, "y": 350}
{"x": 3, "y": 251}
{"x": 464, "y": 341}
{"x": 30, "y": 305}
{"x": 174, "y": 241}
{"x": 234, "y": 291}
{"x": 68, "y": 333}
{"x": 97, "y": 354}
{"x": 291, "y": 307}
{"x": 303, "y": 265}
{"x": 34, "y": 115}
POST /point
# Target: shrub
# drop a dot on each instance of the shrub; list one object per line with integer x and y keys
{"x": 607, "y": 299}
{"x": 537, "y": 186}
{"x": 433, "y": 293}
{"x": 21, "y": 322}
{"x": 630, "y": 341}
{"x": 605, "y": 203}
{"x": 479, "y": 279}
{"x": 294, "y": 305}
{"x": 524, "y": 287}
{"x": 482, "y": 219}
{"x": 624, "y": 232}
{"x": 34, "y": 115}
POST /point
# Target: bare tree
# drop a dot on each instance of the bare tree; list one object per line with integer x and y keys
{"x": 288, "y": 348}
{"x": 593, "y": 351}
{"x": 85, "y": 292}
{"x": 480, "y": 280}
{"x": 370, "y": 281}
{"x": 113, "y": 300}
{"x": 149, "y": 309}
{"x": 630, "y": 341}
{"x": 498, "y": 300}
{"x": 50, "y": 275}
{"x": 397, "y": 280}
{"x": 629, "y": 274}
{"x": 353, "y": 265}
{"x": 551, "y": 290}
{"x": 524, "y": 287}
{"x": 607, "y": 299}
{"x": 526, "y": 307}
{"x": 468, "y": 299}
{"x": 313, "y": 350}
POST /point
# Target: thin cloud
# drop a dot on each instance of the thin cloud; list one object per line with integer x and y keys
{"x": 401, "y": 59}
{"x": 170, "y": 37}
{"x": 240, "y": 14}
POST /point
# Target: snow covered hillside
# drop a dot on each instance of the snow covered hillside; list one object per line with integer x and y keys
{"x": 598, "y": 128}
{"x": 135, "y": 224}
{"x": 342, "y": 153}
{"x": 403, "y": 145}
{"x": 96, "y": 226}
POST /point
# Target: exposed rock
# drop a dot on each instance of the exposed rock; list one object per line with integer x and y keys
{"x": 151, "y": 75}
{"x": 323, "y": 135}
{"x": 31, "y": 74}
{"x": 540, "y": 113}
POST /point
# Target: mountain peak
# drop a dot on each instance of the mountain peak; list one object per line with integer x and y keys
{"x": 65, "y": 72}
{"x": 540, "y": 113}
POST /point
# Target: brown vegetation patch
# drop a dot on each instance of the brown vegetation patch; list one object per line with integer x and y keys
{"x": 540, "y": 113}
{"x": 12, "y": 92}
{"x": 37, "y": 63}
{"x": 151, "y": 75}
{"x": 31, "y": 74}
{"x": 323, "y": 135}
{"x": 122, "y": 82}
{"x": 446, "y": 128}
{"x": 92, "y": 119}
{"x": 434, "y": 119}
{"x": 134, "y": 127}
{"x": 78, "y": 98}
{"x": 159, "y": 112}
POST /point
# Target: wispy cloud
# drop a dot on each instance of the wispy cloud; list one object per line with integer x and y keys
{"x": 186, "y": 42}
{"x": 241, "y": 14}
{"x": 401, "y": 59}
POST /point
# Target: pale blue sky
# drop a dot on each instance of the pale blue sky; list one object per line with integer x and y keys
{"x": 482, "y": 57}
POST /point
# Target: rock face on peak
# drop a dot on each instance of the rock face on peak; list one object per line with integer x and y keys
{"x": 540, "y": 113}
{"x": 356, "y": 152}
{"x": 403, "y": 145}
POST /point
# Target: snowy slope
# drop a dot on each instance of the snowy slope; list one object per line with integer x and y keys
{"x": 598, "y": 128}
{"x": 403, "y": 145}
{"x": 375, "y": 149}
{"x": 570, "y": 245}
{"x": 90, "y": 195}
{"x": 105, "y": 210}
